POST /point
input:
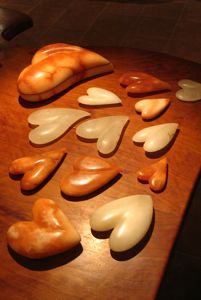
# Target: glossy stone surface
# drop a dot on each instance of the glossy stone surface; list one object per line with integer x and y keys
{"x": 190, "y": 90}
{"x": 35, "y": 169}
{"x": 56, "y": 67}
{"x": 89, "y": 174}
{"x": 52, "y": 123}
{"x": 155, "y": 174}
{"x": 107, "y": 130}
{"x": 48, "y": 234}
{"x": 151, "y": 108}
{"x": 156, "y": 137}
{"x": 129, "y": 217}
{"x": 99, "y": 96}
{"x": 141, "y": 83}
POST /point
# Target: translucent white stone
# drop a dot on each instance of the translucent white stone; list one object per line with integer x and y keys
{"x": 99, "y": 96}
{"x": 52, "y": 123}
{"x": 129, "y": 217}
{"x": 191, "y": 90}
{"x": 156, "y": 137}
{"x": 107, "y": 130}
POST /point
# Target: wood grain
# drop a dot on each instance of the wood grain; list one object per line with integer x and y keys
{"x": 91, "y": 271}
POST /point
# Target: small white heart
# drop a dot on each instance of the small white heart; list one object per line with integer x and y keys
{"x": 156, "y": 137}
{"x": 107, "y": 130}
{"x": 191, "y": 90}
{"x": 52, "y": 123}
{"x": 129, "y": 217}
{"x": 151, "y": 108}
{"x": 99, "y": 96}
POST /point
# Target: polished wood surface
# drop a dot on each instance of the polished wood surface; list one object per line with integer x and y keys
{"x": 91, "y": 271}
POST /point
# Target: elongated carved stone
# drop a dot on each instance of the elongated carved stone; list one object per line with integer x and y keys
{"x": 52, "y": 123}
{"x": 56, "y": 67}
{"x": 90, "y": 173}
{"x": 129, "y": 217}
{"x": 155, "y": 174}
{"x": 48, "y": 234}
{"x": 35, "y": 169}
{"x": 140, "y": 83}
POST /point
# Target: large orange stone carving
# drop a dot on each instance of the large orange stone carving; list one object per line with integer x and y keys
{"x": 48, "y": 234}
{"x": 56, "y": 67}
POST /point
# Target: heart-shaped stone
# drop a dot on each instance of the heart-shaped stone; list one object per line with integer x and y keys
{"x": 142, "y": 83}
{"x": 56, "y": 67}
{"x": 129, "y": 217}
{"x": 99, "y": 96}
{"x": 155, "y": 174}
{"x": 52, "y": 123}
{"x": 90, "y": 174}
{"x": 48, "y": 234}
{"x": 36, "y": 168}
{"x": 151, "y": 108}
{"x": 191, "y": 90}
{"x": 156, "y": 137}
{"x": 107, "y": 130}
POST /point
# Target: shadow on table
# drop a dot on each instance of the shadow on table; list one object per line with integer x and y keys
{"x": 49, "y": 262}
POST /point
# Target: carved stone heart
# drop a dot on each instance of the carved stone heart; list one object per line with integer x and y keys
{"x": 99, "y": 96}
{"x": 52, "y": 123}
{"x": 191, "y": 90}
{"x": 155, "y": 174}
{"x": 36, "y": 168}
{"x": 151, "y": 108}
{"x": 156, "y": 137}
{"x": 141, "y": 83}
{"x": 129, "y": 217}
{"x": 90, "y": 173}
{"x": 48, "y": 234}
{"x": 107, "y": 130}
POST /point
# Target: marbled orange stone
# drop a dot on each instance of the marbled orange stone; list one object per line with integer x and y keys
{"x": 142, "y": 83}
{"x": 89, "y": 174}
{"x": 48, "y": 234}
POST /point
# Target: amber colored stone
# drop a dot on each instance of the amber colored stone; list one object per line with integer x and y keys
{"x": 56, "y": 67}
{"x": 155, "y": 174}
{"x": 36, "y": 169}
{"x": 89, "y": 174}
{"x": 48, "y": 234}
{"x": 142, "y": 83}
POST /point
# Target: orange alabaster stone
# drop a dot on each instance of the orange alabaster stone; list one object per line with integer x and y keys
{"x": 155, "y": 174}
{"x": 48, "y": 234}
{"x": 90, "y": 173}
{"x": 140, "y": 83}
{"x": 56, "y": 67}
{"x": 36, "y": 168}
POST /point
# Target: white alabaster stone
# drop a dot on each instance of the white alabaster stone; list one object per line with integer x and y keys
{"x": 107, "y": 130}
{"x": 156, "y": 137}
{"x": 190, "y": 90}
{"x": 52, "y": 123}
{"x": 129, "y": 217}
{"x": 99, "y": 96}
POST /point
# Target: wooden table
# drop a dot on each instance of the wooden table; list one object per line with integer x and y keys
{"x": 90, "y": 271}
